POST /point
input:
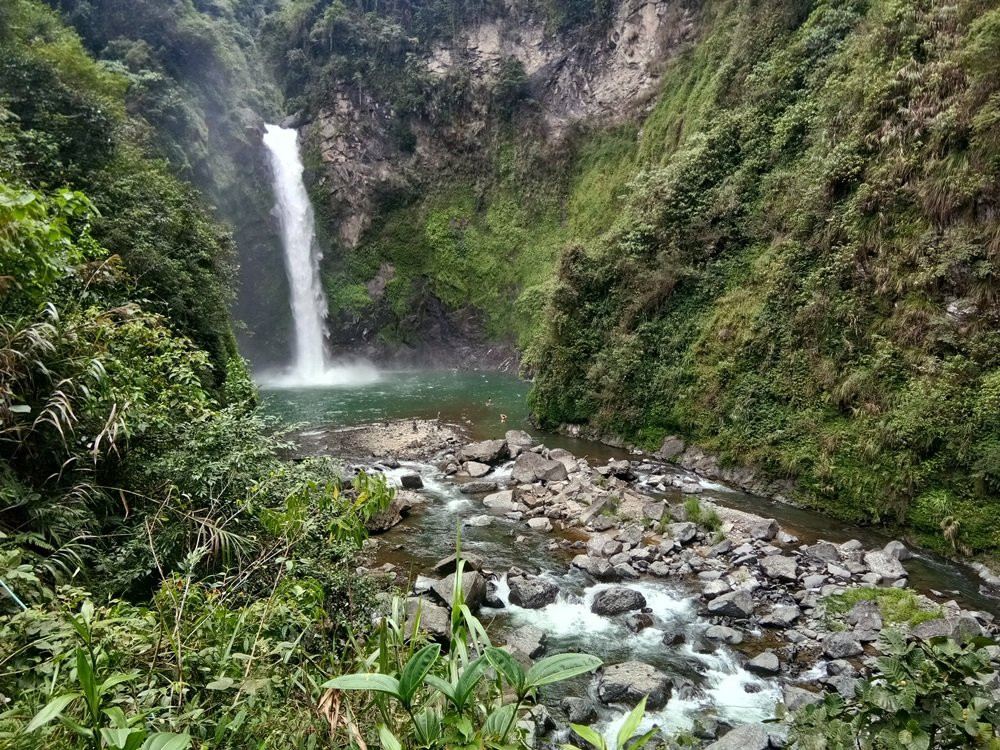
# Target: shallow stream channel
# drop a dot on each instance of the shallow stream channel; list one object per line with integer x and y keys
{"x": 687, "y": 644}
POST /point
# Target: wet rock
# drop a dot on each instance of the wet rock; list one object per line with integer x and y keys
{"x": 579, "y": 710}
{"x": 447, "y": 566}
{"x": 843, "y": 684}
{"x": 795, "y": 698}
{"x": 638, "y": 621}
{"x": 478, "y": 521}
{"x": 841, "y": 667}
{"x": 897, "y": 551}
{"x": 617, "y": 600}
{"x": 765, "y": 529}
{"x": 736, "y": 604}
{"x": 501, "y": 501}
{"x": 531, "y": 592}
{"x": 842, "y": 646}
{"x": 682, "y": 532}
{"x": 629, "y": 682}
{"x": 398, "y": 509}
{"x": 887, "y": 568}
{"x": 478, "y": 487}
{"x": 764, "y": 664}
{"x": 527, "y": 640}
{"x": 434, "y": 620}
{"x": 838, "y": 572}
{"x": 475, "y": 469}
{"x": 473, "y": 589}
{"x": 780, "y": 567}
{"x": 780, "y": 616}
{"x": 411, "y": 481}
{"x": 540, "y": 524}
{"x": 960, "y": 628}
{"x": 624, "y": 570}
{"x": 486, "y": 452}
{"x": 564, "y": 457}
{"x": 530, "y": 467}
{"x": 745, "y": 737}
{"x": 630, "y": 535}
{"x": 727, "y": 635}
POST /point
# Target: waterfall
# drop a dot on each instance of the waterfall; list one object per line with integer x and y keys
{"x": 310, "y": 365}
{"x": 302, "y": 255}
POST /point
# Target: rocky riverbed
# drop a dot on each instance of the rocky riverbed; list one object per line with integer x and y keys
{"x": 698, "y": 603}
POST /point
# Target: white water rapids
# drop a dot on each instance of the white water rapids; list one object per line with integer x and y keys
{"x": 310, "y": 365}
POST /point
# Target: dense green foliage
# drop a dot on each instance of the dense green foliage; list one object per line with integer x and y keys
{"x": 172, "y": 579}
{"x": 924, "y": 695}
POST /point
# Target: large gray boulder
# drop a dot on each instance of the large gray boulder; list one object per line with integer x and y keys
{"x": 671, "y": 447}
{"x": 823, "y": 552}
{"x": 764, "y": 664}
{"x": 434, "y": 620}
{"x": 887, "y": 568}
{"x": 398, "y": 509}
{"x": 682, "y": 531}
{"x": 598, "y": 567}
{"x": 531, "y": 592}
{"x": 736, "y": 604}
{"x": 617, "y": 600}
{"x": 726, "y": 635}
{"x": 897, "y": 550}
{"x": 476, "y": 469}
{"x": 501, "y": 501}
{"x": 518, "y": 439}
{"x": 842, "y": 646}
{"x": 485, "y": 452}
{"x": 629, "y": 682}
{"x": 795, "y": 698}
{"x": 780, "y": 568}
{"x": 530, "y": 467}
{"x": 448, "y": 565}
{"x": 780, "y": 616}
{"x": 473, "y": 589}
{"x": 527, "y": 640}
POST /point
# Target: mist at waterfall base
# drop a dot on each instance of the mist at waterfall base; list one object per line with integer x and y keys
{"x": 310, "y": 366}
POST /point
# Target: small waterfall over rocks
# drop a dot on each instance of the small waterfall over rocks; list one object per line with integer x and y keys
{"x": 310, "y": 365}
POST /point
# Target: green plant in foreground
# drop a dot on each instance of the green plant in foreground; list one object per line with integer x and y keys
{"x": 707, "y": 519}
{"x": 451, "y": 700}
{"x": 98, "y": 722}
{"x": 625, "y": 734}
{"x": 929, "y": 694}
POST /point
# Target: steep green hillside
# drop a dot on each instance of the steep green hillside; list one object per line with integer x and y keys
{"x": 805, "y": 274}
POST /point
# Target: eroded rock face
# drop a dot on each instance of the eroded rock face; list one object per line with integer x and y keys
{"x": 486, "y": 452}
{"x": 531, "y": 467}
{"x": 629, "y": 682}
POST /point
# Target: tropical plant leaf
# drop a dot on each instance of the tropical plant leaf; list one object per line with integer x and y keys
{"x": 51, "y": 710}
{"x": 442, "y": 686}
{"x": 631, "y": 724}
{"x": 507, "y": 665}
{"x": 381, "y": 683}
{"x": 560, "y": 667}
{"x": 167, "y": 741}
{"x": 498, "y": 721}
{"x": 419, "y": 665}
{"x": 590, "y": 735}
{"x": 388, "y": 739}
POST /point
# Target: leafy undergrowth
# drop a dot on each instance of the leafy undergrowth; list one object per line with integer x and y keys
{"x": 897, "y": 606}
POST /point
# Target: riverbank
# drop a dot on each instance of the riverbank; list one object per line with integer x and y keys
{"x": 697, "y": 594}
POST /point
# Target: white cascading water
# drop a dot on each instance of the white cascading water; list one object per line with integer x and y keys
{"x": 302, "y": 257}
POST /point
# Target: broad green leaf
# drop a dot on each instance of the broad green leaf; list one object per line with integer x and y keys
{"x": 167, "y": 741}
{"x": 498, "y": 721}
{"x": 388, "y": 739}
{"x": 641, "y": 741}
{"x": 428, "y": 722}
{"x": 223, "y": 683}
{"x": 118, "y": 737}
{"x": 419, "y": 665}
{"x": 51, "y": 710}
{"x": 590, "y": 736}
{"x": 632, "y": 722}
{"x": 442, "y": 686}
{"x": 507, "y": 665}
{"x": 381, "y": 683}
{"x": 560, "y": 667}
{"x": 117, "y": 679}
{"x": 471, "y": 676}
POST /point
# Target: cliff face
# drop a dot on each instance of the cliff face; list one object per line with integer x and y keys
{"x": 571, "y": 77}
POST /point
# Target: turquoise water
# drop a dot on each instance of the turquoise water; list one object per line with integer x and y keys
{"x": 486, "y": 404}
